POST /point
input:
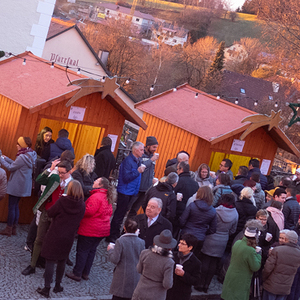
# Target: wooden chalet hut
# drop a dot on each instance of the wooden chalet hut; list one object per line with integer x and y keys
{"x": 35, "y": 94}
{"x": 209, "y": 129}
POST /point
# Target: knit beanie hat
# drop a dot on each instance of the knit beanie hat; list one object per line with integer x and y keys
{"x": 151, "y": 140}
{"x": 251, "y": 232}
{"x": 21, "y": 142}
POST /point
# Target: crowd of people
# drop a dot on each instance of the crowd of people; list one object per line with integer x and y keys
{"x": 165, "y": 235}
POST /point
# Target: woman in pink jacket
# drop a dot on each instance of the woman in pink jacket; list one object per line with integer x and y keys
{"x": 94, "y": 226}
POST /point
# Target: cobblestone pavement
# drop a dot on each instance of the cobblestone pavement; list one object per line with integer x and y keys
{"x": 14, "y": 285}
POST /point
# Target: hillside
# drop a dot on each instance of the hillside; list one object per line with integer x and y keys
{"x": 245, "y": 25}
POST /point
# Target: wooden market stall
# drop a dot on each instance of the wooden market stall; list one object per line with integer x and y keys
{"x": 210, "y": 129}
{"x": 35, "y": 95}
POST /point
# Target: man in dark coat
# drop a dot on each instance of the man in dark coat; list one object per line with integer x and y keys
{"x": 186, "y": 185}
{"x": 281, "y": 267}
{"x": 254, "y": 168}
{"x": 62, "y": 143}
{"x": 291, "y": 209}
{"x": 238, "y": 183}
{"x": 104, "y": 158}
{"x": 165, "y": 192}
{"x": 152, "y": 223}
{"x": 189, "y": 274}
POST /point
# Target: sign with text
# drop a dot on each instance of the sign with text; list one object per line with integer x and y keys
{"x": 76, "y": 113}
{"x": 237, "y": 145}
{"x": 114, "y": 139}
{"x": 265, "y": 165}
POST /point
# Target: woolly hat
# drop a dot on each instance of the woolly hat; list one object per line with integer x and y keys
{"x": 21, "y": 142}
{"x": 151, "y": 140}
{"x": 165, "y": 240}
{"x": 271, "y": 192}
{"x": 251, "y": 232}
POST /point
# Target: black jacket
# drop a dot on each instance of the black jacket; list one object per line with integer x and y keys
{"x": 246, "y": 211}
{"x": 291, "y": 211}
{"x": 86, "y": 181}
{"x": 182, "y": 285}
{"x": 239, "y": 179}
{"x": 165, "y": 192}
{"x": 148, "y": 233}
{"x": 263, "y": 179}
{"x": 105, "y": 161}
{"x": 188, "y": 187}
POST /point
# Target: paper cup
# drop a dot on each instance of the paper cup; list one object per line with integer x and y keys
{"x": 179, "y": 266}
{"x": 143, "y": 166}
{"x": 112, "y": 245}
{"x": 257, "y": 249}
{"x": 156, "y": 154}
{"x": 269, "y": 236}
{"x": 179, "y": 196}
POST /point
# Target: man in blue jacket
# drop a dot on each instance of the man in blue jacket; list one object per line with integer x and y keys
{"x": 128, "y": 186}
{"x": 62, "y": 143}
{"x": 149, "y": 160}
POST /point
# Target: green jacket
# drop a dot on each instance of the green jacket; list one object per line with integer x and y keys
{"x": 244, "y": 261}
{"x": 51, "y": 183}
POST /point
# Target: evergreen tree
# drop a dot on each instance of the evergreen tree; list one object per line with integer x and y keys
{"x": 213, "y": 78}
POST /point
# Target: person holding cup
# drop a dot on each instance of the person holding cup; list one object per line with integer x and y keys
{"x": 245, "y": 260}
{"x": 148, "y": 161}
{"x": 187, "y": 269}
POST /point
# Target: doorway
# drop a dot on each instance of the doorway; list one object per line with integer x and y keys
{"x": 84, "y": 138}
{"x": 237, "y": 161}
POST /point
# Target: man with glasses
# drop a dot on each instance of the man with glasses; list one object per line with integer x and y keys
{"x": 225, "y": 167}
{"x": 56, "y": 186}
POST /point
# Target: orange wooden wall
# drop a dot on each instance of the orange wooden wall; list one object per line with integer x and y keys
{"x": 172, "y": 139}
{"x": 17, "y": 121}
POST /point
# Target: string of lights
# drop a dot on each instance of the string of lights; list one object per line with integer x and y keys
{"x": 80, "y": 69}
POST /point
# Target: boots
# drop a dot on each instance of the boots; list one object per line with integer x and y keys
{"x": 14, "y": 230}
{"x": 7, "y": 231}
{"x": 44, "y": 292}
{"x": 58, "y": 288}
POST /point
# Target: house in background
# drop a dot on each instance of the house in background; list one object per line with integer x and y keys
{"x": 24, "y": 25}
{"x": 248, "y": 91}
{"x": 66, "y": 45}
{"x": 141, "y": 21}
{"x": 169, "y": 34}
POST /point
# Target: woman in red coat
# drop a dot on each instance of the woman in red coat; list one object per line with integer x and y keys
{"x": 94, "y": 226}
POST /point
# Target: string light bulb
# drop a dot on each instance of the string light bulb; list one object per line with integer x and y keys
{"x": 218, "y": 97}
{"x": 255, "y": 103}
{"x": 174, "y": 89}
{"x": 276, "y": 104}
{"x": 236, "y": 101}
{"x": 127, "y": 81}
{"x": 196, "y": 96}
{"x": 52, "y": 65}
{"x": 103, "y": 79}
{"x": 24, "y": 62}
{"x": 78, "y": 71}
{"x": 152, "y": 88}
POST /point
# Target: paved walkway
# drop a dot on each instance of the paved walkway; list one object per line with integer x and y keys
{"x": 14, "y": 285}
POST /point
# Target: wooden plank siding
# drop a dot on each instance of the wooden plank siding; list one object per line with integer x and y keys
{"x": 172, "y": 139}
{"x": 17, "y": 121}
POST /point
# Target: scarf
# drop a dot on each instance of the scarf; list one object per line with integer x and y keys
{"x": 162, "y": 251}
{"x": 277, "y": 216}
{"x": 184, "y": 258}
{"x": 24, "y": 151}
